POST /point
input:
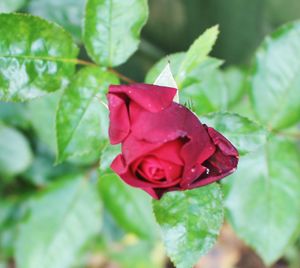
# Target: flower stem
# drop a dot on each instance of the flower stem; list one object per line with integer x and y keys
{"x": 115, "y": 72}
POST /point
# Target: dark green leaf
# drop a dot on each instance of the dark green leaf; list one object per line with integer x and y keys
{"x": 112, "y": 28}
{"x": 275, "y": 83}
{"x": 15, "y": 152}
{"x": 36, "y": 57}
{"x": 246, "y": 135}
{"x": 11, "y": 212}
{"x": 130, "y": 207}
{"x": 263, "y": 201}
{"x": 190, "y": 222}
{"x": 59, "y": 223}
{"x": 67, "y": 13}
{"x": 82, "y": 118}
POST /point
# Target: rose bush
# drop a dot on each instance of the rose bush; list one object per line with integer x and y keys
{"x": 164, "y": 145}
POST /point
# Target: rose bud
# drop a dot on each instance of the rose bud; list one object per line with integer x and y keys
{"x": 164, "y": 145}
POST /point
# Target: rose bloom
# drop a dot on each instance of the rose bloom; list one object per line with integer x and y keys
{"x": 164, "y": 145}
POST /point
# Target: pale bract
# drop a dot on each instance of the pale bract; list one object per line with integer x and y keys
{"x": 166, "y": 79}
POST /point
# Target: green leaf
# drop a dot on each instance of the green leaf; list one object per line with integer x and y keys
{"x": 11, "y": 212}
{"x": 130, "y": 207}
{"x": 36, "y": 57}
{"x": 112, "y": 29}
{"x": 67, "y": 13}
{"x": 235, "y": 80}
{"x": 204, "y": 87}
{"x": 60, "y": 221}
{"x": 246, "y": 135}
{"x": 197, "y": 53}
{"x": 15, "y": 152}
{"x": 275, "y": 83}
{"x": 15, "y": 114}
{"x": 174, "y": 60}
{"x": 139, "y": 255}
{"x": 7, "y": 6}
{"x": 190, "y": 222}
{"x": 107, "y": 156}
{"x": 42, "y": 116}
{"x": 82, "y": 118}
{"x": 263, "y": 201}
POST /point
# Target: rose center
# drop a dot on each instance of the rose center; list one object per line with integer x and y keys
{"x": 150, "y": 168}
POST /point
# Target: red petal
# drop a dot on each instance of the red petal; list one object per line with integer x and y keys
{"x": 150, "y": 97}
{"x": 119, "y": 126}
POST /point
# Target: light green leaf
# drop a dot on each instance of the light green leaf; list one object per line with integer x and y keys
{"x": 82, "y": 118}
{"x": 139, "y": 255}
{"x": 275, "y": 83}
{"x": 190, "y": 222}
{"x": 130, "y": 207}
{"x": 15, "y": 152}
{"x": 15, "y": 114}
{"x": 174, "y": 60}
{"x": 42, "y": 116}
{"x": 112, "y": 29}
{"x": 36, "y": 57}
{"x": 235, "y": 80}
{"x": 107, "y": 156}
{"x": 263, "y": 199}
{"x": 60, "y": 221}
{"x": 203, "y": 89}
{"x": 67, "y": 13}
{"x": 7, "y": 6}
{"x": 246, "y": 135}
{"x": 197, "y": 53}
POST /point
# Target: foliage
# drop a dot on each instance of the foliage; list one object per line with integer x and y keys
{"x": 60, "y": 202}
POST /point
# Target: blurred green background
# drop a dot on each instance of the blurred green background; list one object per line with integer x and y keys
{"x": 172, "y": 27}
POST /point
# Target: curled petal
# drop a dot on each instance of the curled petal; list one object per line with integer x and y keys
{"x": 150, "y": 97}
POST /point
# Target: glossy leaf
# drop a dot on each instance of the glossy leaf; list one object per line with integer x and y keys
{"x": 130, "y": 207}
{"x": 197, "y": 52}
{"x": 263, "y": 201}
{"x": 36, "y": 57}
{"x": 190, "y": 222}
{"x": 7, "y": 6}
{"x": 112, "y": 29}
{"x": 82, "y": 118}
{"x": 246, "y": 135}
{"x": 15, "y": 152}
{"x": 60, "y": 221}
{"x": 275, "y": 83}
{"x": 67, "y": 13}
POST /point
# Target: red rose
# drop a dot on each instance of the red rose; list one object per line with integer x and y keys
{"x": 164, "y": 145}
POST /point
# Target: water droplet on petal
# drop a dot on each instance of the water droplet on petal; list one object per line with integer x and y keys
{"x": 207, "y": 171}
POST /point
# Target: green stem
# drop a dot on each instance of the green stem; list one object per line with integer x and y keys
{"x": 121, "y": 76}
